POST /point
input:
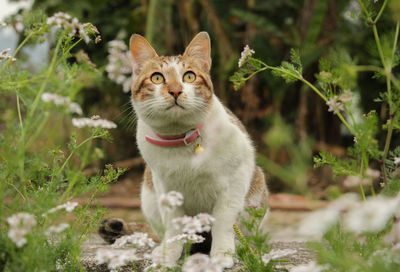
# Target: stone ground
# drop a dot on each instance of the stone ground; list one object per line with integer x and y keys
{"x": 287, "y": 210}
{"x": 281, "y": 226}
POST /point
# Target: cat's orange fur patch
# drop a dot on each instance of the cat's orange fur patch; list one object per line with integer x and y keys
{"x": 258, "y": 188}
{"x": 148, "y": 179}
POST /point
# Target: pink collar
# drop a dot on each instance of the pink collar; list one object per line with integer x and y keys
{"x": 184, "y": 139}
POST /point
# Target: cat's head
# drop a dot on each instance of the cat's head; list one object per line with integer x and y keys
{"x": 171, "y": 90}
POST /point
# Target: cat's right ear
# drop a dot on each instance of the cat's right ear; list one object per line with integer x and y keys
{"x": 141, "y": 51}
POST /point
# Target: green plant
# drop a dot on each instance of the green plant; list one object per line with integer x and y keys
{"x": 336, "y": 79}
{"x": 357, "y": 236}
{"x": 39, "y": 173}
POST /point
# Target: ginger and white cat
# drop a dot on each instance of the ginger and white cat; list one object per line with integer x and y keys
{"x": 173, "y": 98}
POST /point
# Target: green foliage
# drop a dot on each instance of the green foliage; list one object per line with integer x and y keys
{"x": 250, "y": 249}
{"x": 38, "y": 170}
{"x": 344, "y": 251}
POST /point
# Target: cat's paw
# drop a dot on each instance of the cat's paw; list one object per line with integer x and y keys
{"x": 222, "y": 259}
{"x": 166, "y": 255}
{"x": 112, "y": 229}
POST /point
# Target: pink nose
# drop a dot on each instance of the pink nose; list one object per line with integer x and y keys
{"x": 175, "y": 93}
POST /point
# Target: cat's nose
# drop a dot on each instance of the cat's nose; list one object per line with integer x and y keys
{"x": 175, "y": 93}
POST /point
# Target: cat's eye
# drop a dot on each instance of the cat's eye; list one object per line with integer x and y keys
{"x": 157, "y": 78}
{"x": 189, "y": 77}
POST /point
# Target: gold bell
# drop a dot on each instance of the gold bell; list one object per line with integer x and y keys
{"x": 198, "y": 149}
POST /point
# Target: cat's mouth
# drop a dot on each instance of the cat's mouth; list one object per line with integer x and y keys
{"x": 176, "y": 104}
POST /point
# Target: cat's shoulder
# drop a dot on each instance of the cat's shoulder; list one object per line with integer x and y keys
{"x": 235, "y": 120}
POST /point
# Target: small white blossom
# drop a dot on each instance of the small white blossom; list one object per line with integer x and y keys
{"x": 277, "y": 254}
{"x": 196, "y": 224}
{"x": 119, "y": 67}
{"x": 62, "y": 100}
{"x": 138, "y": 239}
{"x": 171, "y": 200}
{"x": 334, "y": 105}
{"x": 317, "y": 223}
{"x": 371, "y": 215}
{"x": 4, "y": 55}
{"x": 310, "y": 267}
{"x": 115, "y": 258}
{"x": 247, "y": 52}
{"x": 18, "y": 236}
{"x": 69, "y": 207}
{"x": 396, "y": 160}
{"x": 346, "y": 96}
{"x": 73, "y": 26}
{"x": 201, "y": 263}
{"x": 88, "y": 122}
{"x": 56, "y": 229}
{"x": 372, "y": 173}
{"x": 193, "y": 238}
{"x": 355, "y": 181}
{"x": 20, "y": 225}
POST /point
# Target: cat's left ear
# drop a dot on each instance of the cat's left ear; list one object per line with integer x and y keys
{"x": 200, "y": 49}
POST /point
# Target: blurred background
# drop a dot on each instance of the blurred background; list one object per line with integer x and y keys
{"x": 288, "y": 122}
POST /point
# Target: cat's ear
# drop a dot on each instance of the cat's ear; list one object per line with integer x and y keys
{"x": 141, "y": 51}
{"x": 200, "y": 49}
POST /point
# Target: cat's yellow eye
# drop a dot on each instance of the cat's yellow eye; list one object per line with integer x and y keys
{"x": 157, "y": 78}
{"x": 189, "y": 77}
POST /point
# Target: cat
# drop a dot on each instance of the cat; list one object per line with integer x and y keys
{"x": 191, "y": 144}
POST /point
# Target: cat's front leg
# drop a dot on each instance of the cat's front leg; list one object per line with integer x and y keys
{"x": 225, "y": 213}
{"x": 168, "y": 253}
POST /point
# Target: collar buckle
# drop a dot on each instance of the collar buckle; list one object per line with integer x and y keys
{"x": 189, "y": 134}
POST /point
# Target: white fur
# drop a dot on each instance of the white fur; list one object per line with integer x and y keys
{"x": 215, "y": 181}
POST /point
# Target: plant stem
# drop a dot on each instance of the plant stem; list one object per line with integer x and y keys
{"x": 17, "y": 50}
{"x": 392, "y": 113}
{"x": 380, "y": 12}
{"x": 70, "y": 185}
{"x": 51, "y": 70}
{"x": 309, "y": 85}
{"x": 21, "y": 146}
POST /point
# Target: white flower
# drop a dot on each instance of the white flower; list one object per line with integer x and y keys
{"x": 247, "y": 52}
{"x": 196, "y": 224}
{"x": 115, "y": 258}
{"x": 73, "y": 26}
{"x": 119, "y": 67}
{"x": 355, "y": 181}
{"x": 193, "y": 238}
{"x": 88, "y": 122}
{"x": 138, "y": 239}
{"x": 277, "y": 254}
{"x": 171, "y": 200}
{"x": 20, "y": 225}
{"x": 4, "y": 55}
{"x": 201, "y": 263}
{"x": 75, "y": 108}
{"x": 346, "y": 96}
{"x": 2, "y": 24}
{"x": 18, "y": 236}
{"x": 62, "y": 100}
{"x": 22, "y": 220}
{"x": 396, "y": 160}
{"x": 371, "y": 215}
{"x": 310, "y": 267}
{"x": 317, "y": 223}
{"x": 118, "y": 45}
{"x": 372, "y": 173}
{"x": 69, "y": 207}
{"x": 334, "y": 104}
{"x": 56, "y": 229}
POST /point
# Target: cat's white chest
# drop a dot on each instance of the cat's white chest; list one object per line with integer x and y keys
{"x": 204, "y": 177}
